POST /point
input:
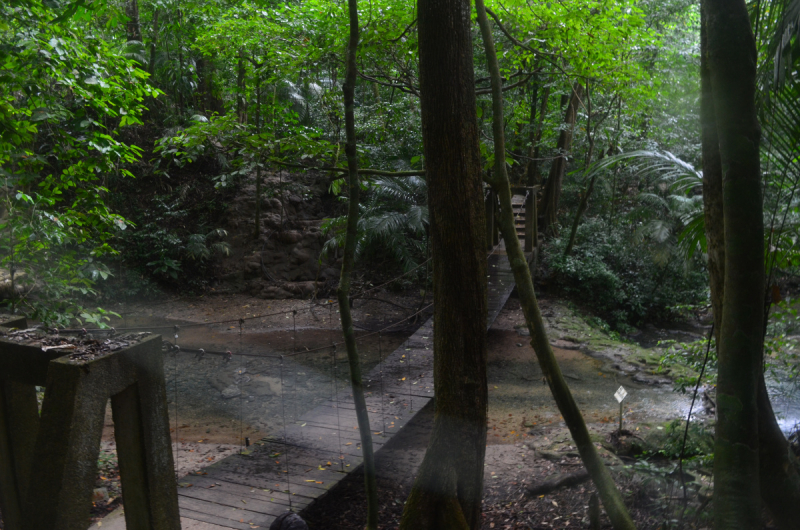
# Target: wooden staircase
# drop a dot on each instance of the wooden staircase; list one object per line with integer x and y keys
{"x": 523, "y": 204}
{"x": 518, "y": 206}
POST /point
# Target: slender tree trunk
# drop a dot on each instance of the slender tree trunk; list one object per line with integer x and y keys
{"x": 343, "y": 293}
{"x": 241, "y": 80}
{"x": 552, "y": 189}
{"x": 532, "y": 176}
{"x": 448, "y": 490}
{"x": 258, "y": 156}
{"x": 584, "y": 202}
{"x": 205, "y": 94}
{"x": 731, "y": 58}
{"x": 612, "y": 500}
{"x": 778, "y": 475}
{"x": 180, "y": 65}
{"x": 133, "y": 29}
{"x": 578, "y": 214}
{"x": 151, "y": 67}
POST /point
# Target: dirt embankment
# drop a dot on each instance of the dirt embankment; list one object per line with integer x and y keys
{"x": 284, "y": 261}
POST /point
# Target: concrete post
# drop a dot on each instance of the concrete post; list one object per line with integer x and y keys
{"x": 59, "y": 462}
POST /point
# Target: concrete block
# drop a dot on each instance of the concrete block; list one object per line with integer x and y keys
{"x": 59, "y": 451}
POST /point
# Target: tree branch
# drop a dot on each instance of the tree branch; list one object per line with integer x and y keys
{"x": 505, "y": 88}
{"x": 408, "y": 89}
{"x": 410, "y": 25}
{"x": 546, "y": 56}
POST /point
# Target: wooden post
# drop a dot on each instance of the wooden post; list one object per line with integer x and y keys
{"x": 490, "y": 224}
{"x": 530, "y": 219}
{"x": 495, "y": 225}
{"x": 535, "y": 218}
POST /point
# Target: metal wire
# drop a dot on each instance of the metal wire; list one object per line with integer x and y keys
{"x": 296, "y": 374}
{"x": 312, "y": 350}
{"x": 334, "y": 369}
{"x": 177, "y": 428}
{"x": 242, "y": 370}
{"x": 234, "y": 320}
{"x": 380, "y": 372}
{"x": 408, "y": 378}
{"x": 286, "y": 442}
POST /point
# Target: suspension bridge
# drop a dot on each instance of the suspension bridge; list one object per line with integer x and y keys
{"x": 310, "y": 445}
{"x": 317, "y": 449}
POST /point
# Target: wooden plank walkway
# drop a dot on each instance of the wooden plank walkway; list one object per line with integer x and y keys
{"x": 322, "y": 446}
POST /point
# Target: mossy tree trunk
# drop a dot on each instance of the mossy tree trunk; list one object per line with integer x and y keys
{"x": 584, "y": 202}
{"x": 343, "y": 293}
{"x": 257, "y": 233}
{"x": 241, "y": 85}
{"x": 151, "y": 67}
{"x": 448, "y": 489}
{"x": 555, "y": 178}
{"x": 730, "y": 66}
{"x": 133, "y": 30}
{"x": 778, "y": 475}
{"x": 532, "y": 176}
{"x": 612, "y": 500}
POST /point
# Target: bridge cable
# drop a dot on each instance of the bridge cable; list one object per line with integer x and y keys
{"x": 286, "y": 441}
{"x": 177, "y": 428}
{"x": 334, "y": 371}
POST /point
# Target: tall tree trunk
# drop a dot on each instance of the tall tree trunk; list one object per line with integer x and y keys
{"x": 778, "y": 474}
{"x": 241, "y": 80}
{"x": 180, "y": 64}
{"x": 257, "y": 233}
{"x": 133, "y": 29}
{"x": 612, "y": 500}
{"x": 582, "y": 205}
{"x": 584, "y": 202}
{"x": 552, "y": 189}
{"x": 532, "y": 176}
{"x": 448, "y": 489}
{"x": 731, "y": 60}
{"x": 343, "y": 292}
{"x": 205, "y": 94}
{"x": 151, "y": 67}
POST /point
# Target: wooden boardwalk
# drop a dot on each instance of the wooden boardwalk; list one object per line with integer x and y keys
{"x": 322, "y": 446}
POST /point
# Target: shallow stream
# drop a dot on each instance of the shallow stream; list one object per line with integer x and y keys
{"x": 276, "y": 372}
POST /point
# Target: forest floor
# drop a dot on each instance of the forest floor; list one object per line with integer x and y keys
{"x": 527, "y": 443}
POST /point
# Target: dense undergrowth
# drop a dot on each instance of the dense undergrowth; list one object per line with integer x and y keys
{"x": 622, "y": 279}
